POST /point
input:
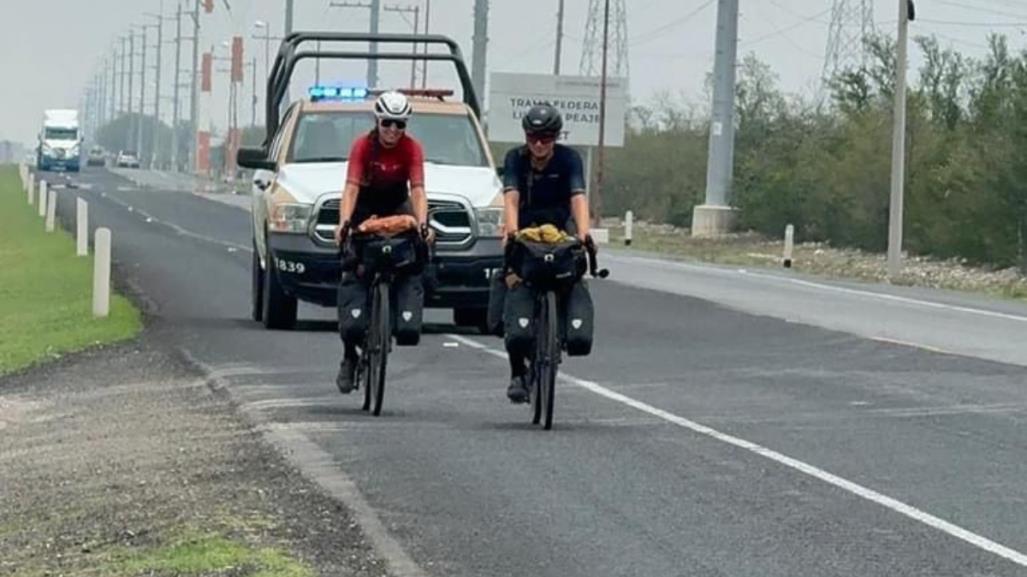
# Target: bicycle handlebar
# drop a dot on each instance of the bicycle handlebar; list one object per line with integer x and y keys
{"x": 593, "y": 263}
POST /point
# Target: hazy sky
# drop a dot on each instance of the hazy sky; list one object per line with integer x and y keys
{"x": 50, "y": 49}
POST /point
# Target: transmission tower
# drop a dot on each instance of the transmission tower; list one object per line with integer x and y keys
{"x": 852, "y": 22}
{"x": 592, "y": 55}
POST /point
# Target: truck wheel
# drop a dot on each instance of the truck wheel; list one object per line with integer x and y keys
{"x": 279, "y": 310}
{"x": 477, "y": 318}
{"x": 256, "y": 287}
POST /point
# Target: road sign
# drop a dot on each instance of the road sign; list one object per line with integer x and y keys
{"x": 577, "y": 98}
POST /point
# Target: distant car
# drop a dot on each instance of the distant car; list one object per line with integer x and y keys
{"x": 97, "y": 157}
{"x": 127, "y": 159}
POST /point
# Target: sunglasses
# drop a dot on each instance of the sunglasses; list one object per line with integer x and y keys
{"x": 389, "y": 123}
{"x": 541, "y": 138}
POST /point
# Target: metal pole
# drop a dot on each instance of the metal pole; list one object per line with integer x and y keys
{"x": 413, "y": 63}
{"x": 194, "y": 87}
{"x": 480, "y": 45}
{"x": 121, "y": 100}
{"x": 131, "y": 82}
{"x": 596, "y": 195}
{"x": 155, "y": 138}
{"x": 898, "y": 162}
{"x": 427, "y": 23}
{"x": 288, "y": 17}
{"x": 142, "y": 101}
{"x": 372, "y": 65}
{"x": 175, "y": 88}
{"x": 559, "y": 39}
{"x": 253, "y": 102}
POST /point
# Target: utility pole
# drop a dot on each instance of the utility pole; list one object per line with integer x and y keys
{"x": 122, "y": 103}
{"x": 480, "y": 46}
{"x": 112, "y": 115}
{"x": 596, "y": 195}
{"x": 131, "y": 82}
{"x": 416, "y": 11}
{"x": 253, "y": 100}
{"x": 194, "y": 121}
{"x": 898, "y": 161}
{"x": 288, "y": 17}
{"x": 155, "y": 135}
{"x": 142, "y": 97}
{"x": 559, "y": 39}
{"x": 427, "y": 26}
{"x": 174, "y": 88}
{"x": 375, "y": 8}
{"x": 372, "y": 66}
{"x": 715, "y": 216}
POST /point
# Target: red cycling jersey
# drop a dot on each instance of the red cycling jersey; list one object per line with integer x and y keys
{"x": 389, "y": 167}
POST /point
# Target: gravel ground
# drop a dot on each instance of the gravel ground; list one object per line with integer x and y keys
{"x": 116, "y": 454}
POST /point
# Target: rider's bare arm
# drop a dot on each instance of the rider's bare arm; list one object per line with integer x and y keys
{"x": 579, "y": 209}
{"x": 511, "y": 204}
{"x": 349, "y": 204}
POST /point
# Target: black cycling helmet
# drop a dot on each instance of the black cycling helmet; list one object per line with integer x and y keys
{"x": 542, "y": 119}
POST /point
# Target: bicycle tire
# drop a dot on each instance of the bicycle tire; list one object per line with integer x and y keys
{"x": 535, "y": 369}
{"x": 550, "y": 335}
{"x": 379, "y": 347}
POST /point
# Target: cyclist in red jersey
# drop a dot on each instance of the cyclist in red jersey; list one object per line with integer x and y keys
{"x": 385, "y": 177}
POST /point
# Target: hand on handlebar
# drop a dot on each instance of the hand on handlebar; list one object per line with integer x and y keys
{"x": 342, "y": 233}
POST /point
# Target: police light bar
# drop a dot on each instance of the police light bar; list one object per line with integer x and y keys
{"x": 343, "y": 93}
{"x": 440, "y": 93}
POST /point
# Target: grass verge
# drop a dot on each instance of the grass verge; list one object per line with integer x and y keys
{"x": 46, "y": 290}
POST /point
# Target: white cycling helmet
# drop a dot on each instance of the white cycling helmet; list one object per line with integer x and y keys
{"x": 392, "y": 105}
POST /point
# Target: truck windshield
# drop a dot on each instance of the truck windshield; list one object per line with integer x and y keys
{"x": 446, "y": 138}
{"x": 53, "y": 133}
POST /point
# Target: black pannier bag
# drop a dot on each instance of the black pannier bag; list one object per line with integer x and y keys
{"x": 578, "y": 320}
{"x": 497, "y": 299}
{"x": 407, "y": 309}
{"x": 354, "y": 307}
{"x": 519, "y": 319}
{"x": 544, "y": 264}
{"x": 398, "y": 253}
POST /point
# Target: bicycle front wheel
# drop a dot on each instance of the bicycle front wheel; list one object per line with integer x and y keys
{"x": 547, "y": 374}
{"x": 379, "y": 344}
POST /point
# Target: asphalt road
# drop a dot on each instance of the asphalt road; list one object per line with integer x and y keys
{"x": 728, "y": 423}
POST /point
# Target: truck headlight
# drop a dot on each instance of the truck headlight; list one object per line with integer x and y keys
{"x": 292, "y": 218}
{"x": 490, "y": 221}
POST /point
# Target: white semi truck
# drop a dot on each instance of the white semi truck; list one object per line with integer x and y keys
{"x": 60, "y": 141}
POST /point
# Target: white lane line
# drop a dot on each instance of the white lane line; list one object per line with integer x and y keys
{"x": 901, "y": 343}
{"x": 821, "y": 286}
{"x": 817, "y": 473}
{"x": 894, "y": 298}
{"x": 178, "y": 229}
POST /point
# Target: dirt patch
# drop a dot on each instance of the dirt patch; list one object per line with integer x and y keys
{"x": 124, "y": 462}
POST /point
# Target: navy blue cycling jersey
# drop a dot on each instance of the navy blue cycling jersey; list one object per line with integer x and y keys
{"x": 545, "y": 195}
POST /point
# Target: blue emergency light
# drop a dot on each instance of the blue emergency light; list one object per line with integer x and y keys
{"x": 341, "y": 93}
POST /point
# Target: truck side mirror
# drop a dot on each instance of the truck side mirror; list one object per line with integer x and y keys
{"x": 255, "y": 158}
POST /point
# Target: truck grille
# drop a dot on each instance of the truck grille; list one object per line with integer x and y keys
{"x": 451, "y": 221}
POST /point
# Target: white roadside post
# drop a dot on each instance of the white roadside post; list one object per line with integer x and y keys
{"x": 629, "y": 222}
{"x": 31, "y": 188}
{"x": 42, "y": 198}
{"x": 82, "y": 227}
{"x": 51, "y": 209}
{"x": 789, "y": 245}
{"x": 102, "y": 273}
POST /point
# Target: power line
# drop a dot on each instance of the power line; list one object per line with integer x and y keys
{"x": 659, "y": 31}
